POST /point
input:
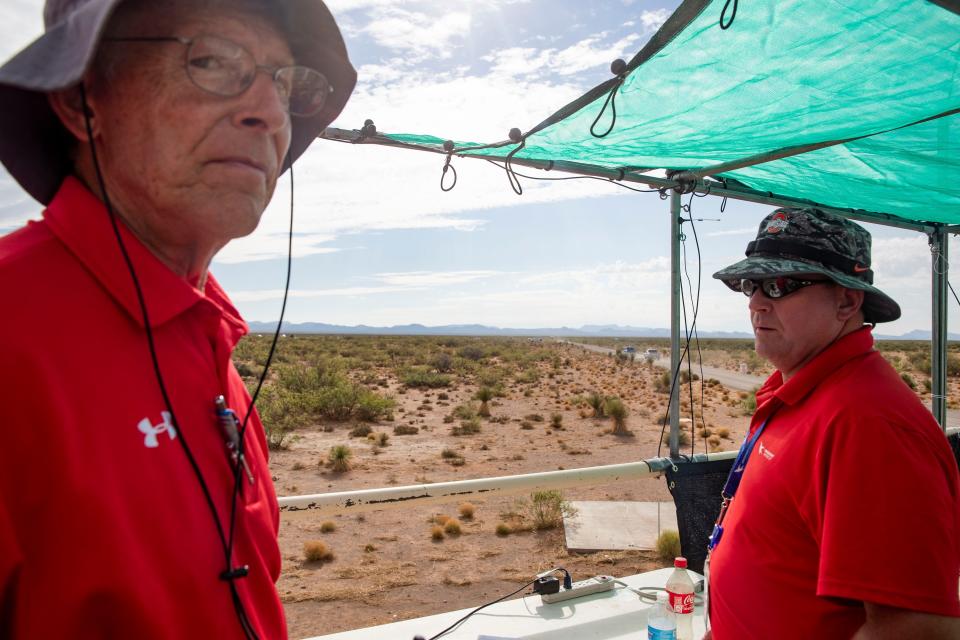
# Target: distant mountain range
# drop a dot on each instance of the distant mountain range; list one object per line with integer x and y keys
{"x": 589, "y": 330}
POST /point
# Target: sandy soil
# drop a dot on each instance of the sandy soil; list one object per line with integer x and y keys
{"x": 386, "y": 567}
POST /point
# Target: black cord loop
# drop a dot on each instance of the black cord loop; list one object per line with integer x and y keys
{"x": 512, "y": 177}
{"x": 733, "y": 14}
{"x": 233, "y": 574}
{"x": 612, "y": 101}
{"x": 453, "y": 171}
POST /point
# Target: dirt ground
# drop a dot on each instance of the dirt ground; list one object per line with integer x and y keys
{"x": 385, "y": 565}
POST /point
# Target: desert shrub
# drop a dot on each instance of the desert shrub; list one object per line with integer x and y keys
{"x": 503, "y": 529}
{"x": 464, "y": 412}
{"x": 668, "y": 545}
{"x": 683, "y": 436}
{"x": 405, "y": 430}
{"x": 418, "y": 377}
{"x": 919, "y": 360}
{"x": 316, "y": 551}
{"x": 450, "y": 454}
{"x": 361, "y": 431}
{"x": 247, "y": 371}
{"x": 723, "y": 432}
{"x": 452, "y": 527}
{"x": 685, "y": 376}
{"x": 749, "y": 404}
{"x": 548, "y": 508}
{"x": 908, "y": 379}
{"x": 661, "y": 384}
{"x": 327, "y": 526}
{"x": 436, "y": 532}
{"x": 471, "y": 353}
{"x": 714, "y": 442}
{"x": 953, "y": 364}
{"x": 442, "y": 362}
{"x": 615, "y": 408}
{"x": 380, "y": 438}
{"x": 467, "y": 510}
{"x": 595, "y": 402}
{"x": 467, "y": 427}
{"x": 339, "y": 457}
{"x": 534, "y": 417}
{"x": 527, "y": 376}
{"x": 442, "y": 396}
{"x": 526, "y": 425}
{"x": 556, "y": 420}
{"x": 484, "y": 395}
{"x": 371, "y": 406}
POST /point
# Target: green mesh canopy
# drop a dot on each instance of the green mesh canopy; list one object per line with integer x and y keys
{"x": 852, "y": 104}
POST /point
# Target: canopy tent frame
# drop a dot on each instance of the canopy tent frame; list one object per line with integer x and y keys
{"x": 688, "y": 182}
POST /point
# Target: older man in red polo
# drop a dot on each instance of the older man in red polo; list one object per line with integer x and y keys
{"x": 132, "y": 503}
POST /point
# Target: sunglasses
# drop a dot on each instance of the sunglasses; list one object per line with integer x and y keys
{"x": 225, "y": 68}
{"x": 774, "y": 288}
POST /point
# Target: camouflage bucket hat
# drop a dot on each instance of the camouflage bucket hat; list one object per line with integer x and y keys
{"x": 792, "y": 242}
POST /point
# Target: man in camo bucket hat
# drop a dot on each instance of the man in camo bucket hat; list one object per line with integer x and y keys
{"x": 816, "y": 538}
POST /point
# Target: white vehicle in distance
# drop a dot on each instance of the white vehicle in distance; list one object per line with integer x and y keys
{"x": 651, "y": 355}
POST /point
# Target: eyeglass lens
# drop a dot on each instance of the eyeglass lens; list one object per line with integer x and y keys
{"x": 225, "y": 68}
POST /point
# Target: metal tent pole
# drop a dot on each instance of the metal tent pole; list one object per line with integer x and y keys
{"x": 939, "y": 243}
{"x": 675, "y": 324}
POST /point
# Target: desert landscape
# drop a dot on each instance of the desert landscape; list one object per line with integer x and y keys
{"x": 361, "y": 412}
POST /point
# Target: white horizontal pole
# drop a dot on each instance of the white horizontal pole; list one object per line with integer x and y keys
{"x": 418, "y": 494}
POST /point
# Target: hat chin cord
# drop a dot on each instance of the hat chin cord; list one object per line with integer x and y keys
{"x": 230, "y": 573}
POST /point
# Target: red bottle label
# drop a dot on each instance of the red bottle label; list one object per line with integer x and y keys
{"x": 681, "y": 602}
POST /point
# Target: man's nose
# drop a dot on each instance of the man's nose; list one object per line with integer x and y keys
{"x": 263, "y": 105}
{"x": 758, "y": 301}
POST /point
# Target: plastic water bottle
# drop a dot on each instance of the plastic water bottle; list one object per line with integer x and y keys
{"x": 661, "y": 622}
{"x": 680, "y": 590}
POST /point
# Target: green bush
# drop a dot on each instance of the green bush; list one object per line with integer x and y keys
{"x": 615, "y": 408}
{"x": 749, "y": 404}
{"x": 595, "y": 401}
{"x": 471, "y": 353}
{"x": 908, "y": 379}
{"x": 467, "y": 427}
{"x": 339, "y": 457}
{"x": 548, "y": 508}
{"x": 423, "y": 377}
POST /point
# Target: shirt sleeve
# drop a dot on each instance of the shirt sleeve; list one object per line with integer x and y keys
{"x": 888, "y": 516}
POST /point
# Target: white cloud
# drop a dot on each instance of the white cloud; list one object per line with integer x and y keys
{"x": 586, "y": 54}
{"x": 742, "y": 231}
{"x": 653, "y": 20}
{"x": 417, "y": 33}
{"x": 433, "y": 278}
{"x": 262, "y": 295}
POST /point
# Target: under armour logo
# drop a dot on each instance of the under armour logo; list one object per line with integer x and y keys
{"x": 150, "y": 431}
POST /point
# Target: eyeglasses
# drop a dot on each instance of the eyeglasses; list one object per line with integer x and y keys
{"x": 774, "y": 288}
{"x": 225, "y": 68}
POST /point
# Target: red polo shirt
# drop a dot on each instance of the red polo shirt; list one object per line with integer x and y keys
{"x": 851, "y": 495}
{"x": 104, "y": 530}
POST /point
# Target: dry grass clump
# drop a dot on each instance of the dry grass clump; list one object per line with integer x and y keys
{"x": 467, "y": 510}
{"x": 668, "y": 545}
{"x": 436, "y": 532}
{"x": 452, "y": 527}
{"x": 317, "y": 551}
{"x": 327, "y": 526}
{"x": 503, "y": 529}
{"x": 405, "y": 430}
{"x": 379, "y": 439}
{"x": 361, "y": 431}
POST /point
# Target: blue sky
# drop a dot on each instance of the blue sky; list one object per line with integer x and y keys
{"x": 378, "y": 243}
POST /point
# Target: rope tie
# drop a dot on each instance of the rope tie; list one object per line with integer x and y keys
{"x": 512, "y": 177}
{"x": 733, "y": 15}
{"x": 618, "y": 67}
{"x": 448, "y": 147}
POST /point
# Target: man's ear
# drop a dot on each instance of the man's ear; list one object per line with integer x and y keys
{"x": 849, "y": 302}
{"x": 68, "y": 105}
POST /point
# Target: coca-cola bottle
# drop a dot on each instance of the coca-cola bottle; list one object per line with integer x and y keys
{"x": 680, "y": 590}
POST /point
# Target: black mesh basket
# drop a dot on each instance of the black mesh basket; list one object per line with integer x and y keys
{"x": 696, "y": 488}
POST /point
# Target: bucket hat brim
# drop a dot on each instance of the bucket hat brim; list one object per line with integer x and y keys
{"x": 33, "y": 143}
{"x": 877, "y": 306}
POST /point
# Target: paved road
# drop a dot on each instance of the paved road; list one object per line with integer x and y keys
{"x": 732, "y": 379}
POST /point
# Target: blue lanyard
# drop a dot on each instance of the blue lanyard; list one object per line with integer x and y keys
{"x": 733, "y": 482}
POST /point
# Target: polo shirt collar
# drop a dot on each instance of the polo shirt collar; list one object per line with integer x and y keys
{"x": 81, "y": 222}
{"x": 775, "y": 392}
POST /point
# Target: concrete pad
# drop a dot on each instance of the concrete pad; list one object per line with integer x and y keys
{"x": 617, "y": 525}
